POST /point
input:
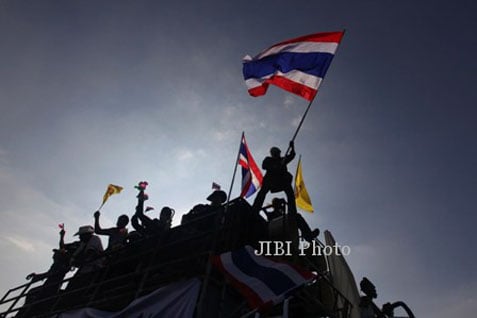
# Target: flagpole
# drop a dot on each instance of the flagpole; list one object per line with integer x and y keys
{"x": 296, "y": 173}
{"x": 217, "y": 223}
{"x": 308, "y": 107}
{"x": 235, "y": 168}
{"x": 302, "y": 119}
{"x": 299, "y": 125}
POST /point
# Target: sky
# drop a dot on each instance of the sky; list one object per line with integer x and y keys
{"x": 100, "y": 92}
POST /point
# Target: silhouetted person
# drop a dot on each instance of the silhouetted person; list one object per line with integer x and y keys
{"x": 141, "y": 197}
{"x": 117, "y": 235}
{"x": 368, "y": 308}
{"x": 216, "y": 199}
{"x": 150, "y": 227}
{"x": 144, "y": 224}
{"x": 54, "y": 276}
{"x": 277, "y": 178}
{"x": 279, "y": 209}
{"x": 87, "y": 258}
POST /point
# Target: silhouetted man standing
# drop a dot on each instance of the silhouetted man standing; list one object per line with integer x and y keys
{"x": 117, "y": 235}
{"x": 277, "y": 178}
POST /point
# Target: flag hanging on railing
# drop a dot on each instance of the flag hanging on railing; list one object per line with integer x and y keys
{"x": 176, "y": 300}
{"x": 260, "y": 280}
{"x": 302, "y": 198}
{"x": 297, "y": 65}
{"x": 251, "y": 174}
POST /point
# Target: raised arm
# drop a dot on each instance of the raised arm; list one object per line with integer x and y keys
{"x": 141, "y": 197}
{"x": 136, "y": 225}
{"x": 290, "y": 156}
{"x": 145, "y": 220}
{"x": 97, "y": 227}
{"x": 62, "y": 239}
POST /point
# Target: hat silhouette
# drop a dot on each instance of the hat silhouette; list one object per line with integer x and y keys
{"x": 85, "y": 229}
{"x": 217, "y": 196}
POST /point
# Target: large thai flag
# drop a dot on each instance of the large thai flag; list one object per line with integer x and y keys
{"x": 262, "y": 281}
{"x": 251, "y": 174}
{"x": 298, "y": 65}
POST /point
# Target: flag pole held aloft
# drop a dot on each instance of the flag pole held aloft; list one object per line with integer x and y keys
{"x": 112, "y": 189}
{"x": 298, "y": 66}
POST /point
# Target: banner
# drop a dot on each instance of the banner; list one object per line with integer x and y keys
{"x": 177, "y": 300}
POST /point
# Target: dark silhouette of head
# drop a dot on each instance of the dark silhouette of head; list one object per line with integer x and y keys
{"x": 217, "y": 197}
{"x": 368, "y": 288}
{"x": 122, "y": 221}
{"x": 275, "y": 152}
{"x": 166, "y": 213}
{"x": 85, "y": 232}
{"x": 279, "y": 204}
{"x": 388, "y": 309}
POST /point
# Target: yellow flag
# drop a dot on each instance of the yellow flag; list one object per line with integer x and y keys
{"x": 112, "y": 189}
{"x": 302, "y": 198}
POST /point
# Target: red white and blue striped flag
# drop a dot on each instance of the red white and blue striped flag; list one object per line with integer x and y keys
{"x": 251, "y": 174}
{"x": 262, "y": 281}
{"x": 297, "y": 66}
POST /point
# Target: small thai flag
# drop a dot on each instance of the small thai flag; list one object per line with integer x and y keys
{"x": 251, "y": 174}
{"x": 297, "y": 66}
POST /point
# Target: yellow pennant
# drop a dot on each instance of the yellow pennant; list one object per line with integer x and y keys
{"x": 112, "y": 189}
{"x": 302, "y": 198}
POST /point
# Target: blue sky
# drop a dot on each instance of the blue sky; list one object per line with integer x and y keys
{"x": 101, "y": 92}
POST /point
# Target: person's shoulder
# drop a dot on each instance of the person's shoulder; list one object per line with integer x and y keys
{"x": 95, "y": 242}
{"x": 198, "y": 208}
{"x": 267, "y": 161}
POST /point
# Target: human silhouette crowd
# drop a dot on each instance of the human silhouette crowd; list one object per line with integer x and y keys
{"x": 90, "y": 259}
{"x": 88, "y": 256}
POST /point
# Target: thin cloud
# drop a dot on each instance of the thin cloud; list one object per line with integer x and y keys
{"x": 187, "y": 154}
{"x": 21, "y": 243}
{"x": 289, "y": 101}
